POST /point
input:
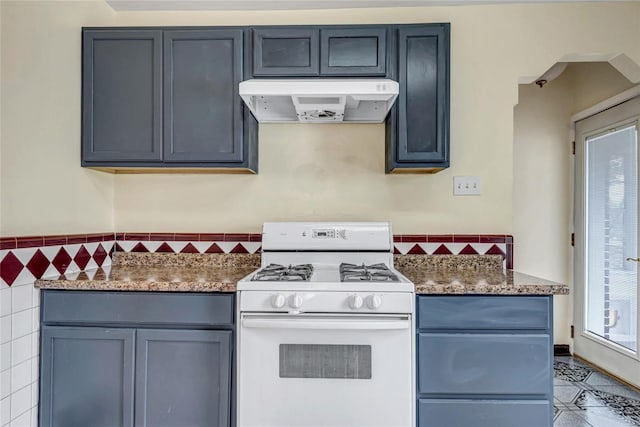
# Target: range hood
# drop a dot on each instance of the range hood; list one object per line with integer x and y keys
{"x": 319, "y": 100}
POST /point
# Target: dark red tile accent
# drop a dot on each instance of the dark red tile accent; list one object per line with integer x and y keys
{"x": 187, "y": 237}
{"x": 163, "y": 248}
{"x": 38, "y": 264}
{"x": 466, "y": 238}
{"x": 414, "y": 238}
{"x": 214, "y": 249}
{"x": 442, "y": 250}
{"x": 119, "y": 236}
{"x": 82, "y": 258}
{"x": 108, "y": 237}
{"x": 117, "y": 248}
{"x": 189, "y": 249}
{"x": 397, "y": 238}
{"x": 94, "y": 237}
{"x": 255, "y": 237}
{"x": 416, "y": 250}
{"x": 396, "y": 251}
{"x": 495, "y": 250}
{"x": 139, "y": 248}
{"x": 239, "y": 249}
{"x": 440, "y": 238}
{"x": 55, "y": 240}
{"x": 61, "y": 261}
{"x": 136, "y": 236}
{"x": 161, "y": 237}
{"x": 468, "y": 250}
{"x": 508, "y": 239}
{"x": 76, "y": 238}
{"x": 8, "y": 243}
{"x": 211, "y": 237}
{"x": 492, "y": 238}
{"x": 236, "y": 237}
{"x": 509, "y": 258}
{"x": 29, "y": 242}
{"x": 10, "y": 268}
{"x": 99, "y": 255}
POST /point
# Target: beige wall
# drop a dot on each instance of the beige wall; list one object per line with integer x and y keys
{"x": 542, "y": 178}
{"x": 43, "y": 189}
{"x": 334, "y": 169}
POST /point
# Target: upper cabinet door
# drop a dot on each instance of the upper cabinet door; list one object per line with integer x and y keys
{"x": 353, "y": 51}
{"x": 122, "y": 95}
{"x": 285, "y": 52}
{"x": 423, "y": 101}
{"x": 202, "y": 108}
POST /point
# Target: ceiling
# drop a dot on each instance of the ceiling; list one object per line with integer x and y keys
{"x": 300, "y": 4}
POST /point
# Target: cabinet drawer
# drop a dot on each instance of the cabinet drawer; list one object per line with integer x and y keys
{"x": 483, "y": 413}
{"x": 286, "y": 52}
{"x": 353, "y": 51}
{"x": 490, "y": 312}
{"x": 474, "y": 364}
{"x": 114, "y": 308}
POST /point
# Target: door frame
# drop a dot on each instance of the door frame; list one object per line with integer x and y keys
{"x": 604, "y": 354}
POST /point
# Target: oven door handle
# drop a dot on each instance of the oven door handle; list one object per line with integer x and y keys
{"x": 328, "y": 323}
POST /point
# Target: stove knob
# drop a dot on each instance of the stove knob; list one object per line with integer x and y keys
{"x": 277, "y": 301}
{"x": 355, "y": 302}
{"x": 374, "y": 302}
{"x": 295, "y": 301}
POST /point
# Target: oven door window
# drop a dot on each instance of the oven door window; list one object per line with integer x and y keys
{"x": 325, "y": 361}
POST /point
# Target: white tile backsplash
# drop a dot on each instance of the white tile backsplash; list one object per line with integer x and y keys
{"x": 5, "y": 411}
{"x": 5, "y": 383}
{"x": 21, "y": 298}
{"x": 5, "y": 329}
{"x": 21, "y": 350}
{"x": 20, "y": 376}
{"x": 5, "y": 302}
{"x": 21, "y": 401}
{"x": 5, "y": 356}
{"x": 23, "y": 420}
{"x": 21, "y": 323}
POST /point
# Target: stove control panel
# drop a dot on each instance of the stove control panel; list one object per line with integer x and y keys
{"x": 326, "y": 302}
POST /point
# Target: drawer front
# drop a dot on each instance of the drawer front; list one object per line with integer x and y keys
{"x": 483, "y": 312}
{"x": 484, "y": 413}
{"x": 353, "y": 51}
{"x": 286, "y": 52}
{"x": 113, "y": 308}
{"x": 474, "y": 364}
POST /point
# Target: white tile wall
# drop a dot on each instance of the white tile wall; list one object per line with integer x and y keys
{"x": 19, "y": 349}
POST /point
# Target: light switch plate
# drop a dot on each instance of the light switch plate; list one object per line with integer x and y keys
{"x": 466, "y": 185}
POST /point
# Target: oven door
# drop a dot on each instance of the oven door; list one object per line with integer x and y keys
{"x": 325, "y": 370}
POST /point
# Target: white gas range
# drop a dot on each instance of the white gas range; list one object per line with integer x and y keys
{"x": 326, "y": 330}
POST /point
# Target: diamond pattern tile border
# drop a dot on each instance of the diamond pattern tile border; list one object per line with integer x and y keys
{"x": 69, "y": 253}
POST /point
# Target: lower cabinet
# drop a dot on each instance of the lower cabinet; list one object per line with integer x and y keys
{"x": 132, "y": 373}
{"x": 484, "y": 361}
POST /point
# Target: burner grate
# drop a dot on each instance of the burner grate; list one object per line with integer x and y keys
{"x": 281, "y": 273}
{"x": 366, "y": 273}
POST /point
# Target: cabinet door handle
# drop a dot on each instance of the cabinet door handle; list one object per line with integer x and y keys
{"x": 633, "y": 259}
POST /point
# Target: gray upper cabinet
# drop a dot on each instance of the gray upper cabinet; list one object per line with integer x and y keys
{"x": 122, "y": 96}
{"x": 418, "y": 128}
{"x": 87, "y": 379}
{"x": 202, "y": 108}
{"x": 286, "y": 51}
{"x": 353, "y": 51}
{"x": 183, "y": 378}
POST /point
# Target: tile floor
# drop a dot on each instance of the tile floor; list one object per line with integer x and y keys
{"x": 586, "y": 397}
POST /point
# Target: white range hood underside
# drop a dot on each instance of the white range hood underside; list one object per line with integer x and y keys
{"x": 319, "y": 100}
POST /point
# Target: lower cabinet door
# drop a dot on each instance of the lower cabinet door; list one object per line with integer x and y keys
{"x": 484, "y": 413}
{"x": 86, "y": 377}
{"x": 183, "y": 378}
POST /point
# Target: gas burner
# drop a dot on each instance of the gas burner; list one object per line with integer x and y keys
{"x": 366, "y": 273}
{"x": 280, "y": 273}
